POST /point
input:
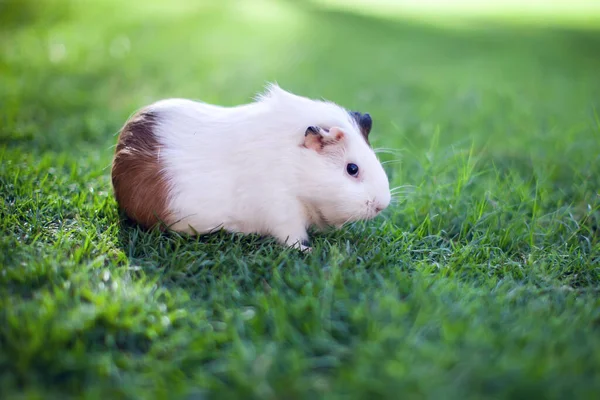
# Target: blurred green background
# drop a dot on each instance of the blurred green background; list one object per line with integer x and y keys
{"x": 481, "y": 281}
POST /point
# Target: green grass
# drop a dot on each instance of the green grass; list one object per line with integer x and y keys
{"x": 482, "y": 281}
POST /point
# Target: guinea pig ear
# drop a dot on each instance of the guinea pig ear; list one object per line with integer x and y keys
{"x": 364, "y": 122}
{"x": 317, "y": 138}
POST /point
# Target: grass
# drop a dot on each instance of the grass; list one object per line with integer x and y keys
{"x": 482, "y": 281}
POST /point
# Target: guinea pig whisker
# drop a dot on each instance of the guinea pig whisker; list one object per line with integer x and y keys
{"x": 387, "y": 150}
{"x": 391, "y": 162}
{"x": 402, "y": 187}
{"x": 350, "y": 218}
{"x": 400, "y": 194}
{"x": 397, "y": 197}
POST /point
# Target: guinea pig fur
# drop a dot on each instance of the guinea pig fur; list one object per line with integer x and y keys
{"x": 276, "y": 166}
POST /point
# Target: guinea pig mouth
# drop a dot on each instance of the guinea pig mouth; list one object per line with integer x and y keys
{"x": 373, "y": 214}
{"x": 373, "y": 209}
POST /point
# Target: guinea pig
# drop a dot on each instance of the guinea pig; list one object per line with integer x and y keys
{"x": 274, "y": 167}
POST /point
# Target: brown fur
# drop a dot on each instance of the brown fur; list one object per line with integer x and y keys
{"x": 138, "y": 183}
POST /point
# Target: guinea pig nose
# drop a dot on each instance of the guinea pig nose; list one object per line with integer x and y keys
{"x": 380, "y": 206}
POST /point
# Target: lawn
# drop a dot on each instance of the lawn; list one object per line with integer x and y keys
{"x": 481, "y": 281}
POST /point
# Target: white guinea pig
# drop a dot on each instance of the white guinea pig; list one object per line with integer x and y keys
{"x": 276, "y": 166}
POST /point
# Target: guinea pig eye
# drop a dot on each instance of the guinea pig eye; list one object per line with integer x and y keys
{"x": 352, "y": 169}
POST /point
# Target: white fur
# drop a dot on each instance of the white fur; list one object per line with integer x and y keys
{"x": 246, "y": 169}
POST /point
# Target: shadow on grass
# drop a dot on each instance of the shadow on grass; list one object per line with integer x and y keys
{"x": 196, "y": 262}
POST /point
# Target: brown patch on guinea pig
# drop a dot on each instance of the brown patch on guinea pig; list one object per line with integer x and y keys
{"x": 139, "y": 185}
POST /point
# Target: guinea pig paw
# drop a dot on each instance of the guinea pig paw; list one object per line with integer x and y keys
{"x": 305, "y": 249}
{"x": 304, "y": 246}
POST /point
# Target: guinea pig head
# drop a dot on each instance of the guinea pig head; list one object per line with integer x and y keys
{"x": 347, "y": 181}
